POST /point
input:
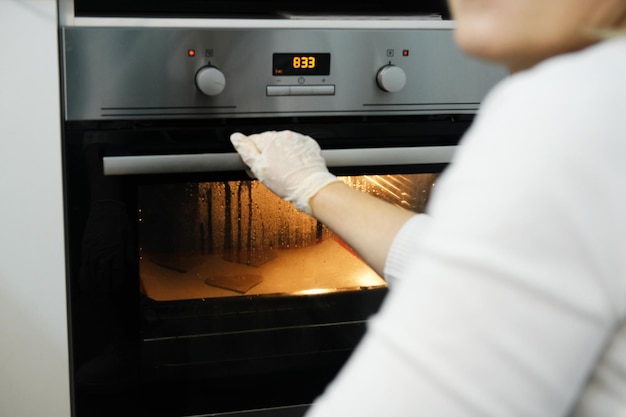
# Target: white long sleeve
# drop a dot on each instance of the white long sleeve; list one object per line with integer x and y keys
{"x": 512, "y": 301}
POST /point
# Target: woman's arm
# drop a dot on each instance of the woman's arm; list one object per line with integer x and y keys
{"x": 366, "y": 223}
{"x": 291, "y": 165}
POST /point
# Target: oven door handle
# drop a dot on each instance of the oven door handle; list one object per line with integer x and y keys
{"x": 218, "y": 162}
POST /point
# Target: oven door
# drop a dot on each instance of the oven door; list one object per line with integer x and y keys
{"x": 195, "y": 290}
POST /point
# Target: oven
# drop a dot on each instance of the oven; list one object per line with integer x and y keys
{"x": 193, "y": 290}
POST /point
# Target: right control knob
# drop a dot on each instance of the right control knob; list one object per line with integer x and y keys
{"x": 391, "y": 78}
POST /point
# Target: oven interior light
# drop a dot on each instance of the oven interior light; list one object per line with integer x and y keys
{"x": 315, "y": 291}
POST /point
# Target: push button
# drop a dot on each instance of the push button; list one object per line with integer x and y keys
{"x": 277, "y": 90}
{"x": 301, "y": 90}
{"x": 324, "y": 90}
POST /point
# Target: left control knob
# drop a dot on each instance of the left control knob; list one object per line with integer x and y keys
{"x": 210, "y": 80}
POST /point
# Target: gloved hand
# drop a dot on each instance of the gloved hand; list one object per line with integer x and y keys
{"x": 288, "y": 163}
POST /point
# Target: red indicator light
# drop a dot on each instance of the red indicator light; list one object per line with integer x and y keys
{"x": 191, "y": 52}
{"x": 405, "y": 52}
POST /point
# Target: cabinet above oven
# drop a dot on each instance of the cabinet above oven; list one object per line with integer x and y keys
{"x": 252, "y": 8}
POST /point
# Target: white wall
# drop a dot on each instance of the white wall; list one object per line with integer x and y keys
{"x": 34, "y": 378}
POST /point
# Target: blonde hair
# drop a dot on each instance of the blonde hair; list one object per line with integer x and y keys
{"x": 606, "y": 33}
{"x": 617, "y": 29}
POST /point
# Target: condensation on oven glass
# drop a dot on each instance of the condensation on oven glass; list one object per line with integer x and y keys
{"x": 236, "y": 238}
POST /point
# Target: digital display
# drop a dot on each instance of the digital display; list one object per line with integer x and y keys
{"x": 301, "y": 63}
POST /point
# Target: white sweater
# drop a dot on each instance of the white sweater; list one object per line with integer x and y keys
{"x": 511, "y": 292}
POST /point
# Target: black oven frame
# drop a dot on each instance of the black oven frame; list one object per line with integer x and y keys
{"x": 163, "y": 331}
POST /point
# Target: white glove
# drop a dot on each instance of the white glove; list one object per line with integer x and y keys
{"x": 288, "y": 163}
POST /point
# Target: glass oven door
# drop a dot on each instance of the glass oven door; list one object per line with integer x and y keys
{"x": 247, "y": 297}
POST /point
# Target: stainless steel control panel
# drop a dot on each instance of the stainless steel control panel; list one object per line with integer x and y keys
{"x": 136, "y": 73}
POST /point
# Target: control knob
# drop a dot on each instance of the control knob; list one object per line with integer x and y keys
{"x": 391, "y": 78}
{"x": 210, "y": 80}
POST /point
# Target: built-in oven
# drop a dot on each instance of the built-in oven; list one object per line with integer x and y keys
{"x": 194, "y": 290}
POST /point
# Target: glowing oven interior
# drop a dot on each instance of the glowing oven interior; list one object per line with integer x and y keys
{"x": 236, "y": 238}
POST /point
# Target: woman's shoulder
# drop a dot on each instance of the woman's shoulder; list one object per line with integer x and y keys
{"x": 565, "y": 98}
{"x": 606, "y": 57}
{"x": 587, "y": 80}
